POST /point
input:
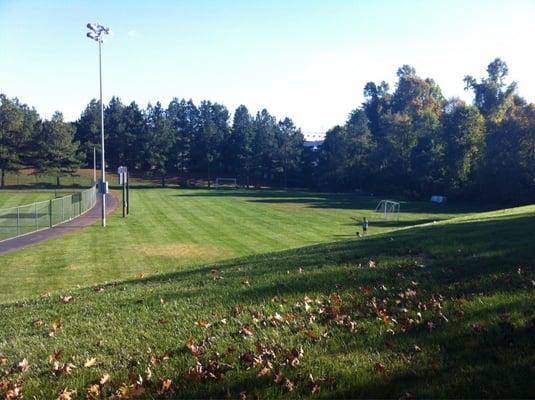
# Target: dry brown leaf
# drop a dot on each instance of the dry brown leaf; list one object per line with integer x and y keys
{"x": 66, "y": 299}
{"x": 264, "y": 371}
{"x": 4, "y": 360}
{"x": 312, "y": 335}
{"x": 55, "y": 356}
{"x": 166, "y": 386}
{"x": 66, "y": 394}
{"x": 63, "y": 368}
{"x": 278, "y": 376}
{"x": 154, "y": 361}
{"x": 194, "y": 349}
{"x": 93, "y": 391}
{"x": 140, "y": 275}
{"x": 203, "y": 323}
{"x": 379, "y": 367}
{"x": 91, "y": 362}
{"x": 104, "y": 379}
{"x": 247, "y": 330}
{"x": 38, "y": 322}
{"x": 24, "y": 365}
{"x": 56, "y": 325}
{"x": 289, "y": 385}
{"x": 148, "y": 375}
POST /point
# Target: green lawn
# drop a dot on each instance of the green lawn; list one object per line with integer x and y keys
{"x": 440, "y": 310}
{"x": 14, "y": 198}
{"x": 170, "y": 229}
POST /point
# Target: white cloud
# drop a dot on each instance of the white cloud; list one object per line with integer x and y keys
{"x": 132, "y": 33}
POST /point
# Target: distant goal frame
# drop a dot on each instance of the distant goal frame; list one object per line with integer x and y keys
{"x": 389, "y": 208}
{"x": 231, "y": 183}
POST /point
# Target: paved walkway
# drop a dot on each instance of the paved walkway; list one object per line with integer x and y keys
{"x": 89, "y": 218}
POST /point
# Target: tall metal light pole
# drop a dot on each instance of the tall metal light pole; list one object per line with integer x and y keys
{"x": 96, "y": 32}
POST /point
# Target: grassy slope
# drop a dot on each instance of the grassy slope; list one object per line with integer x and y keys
{"x": 472, "y": 279}
{"x": 169, "y": 229}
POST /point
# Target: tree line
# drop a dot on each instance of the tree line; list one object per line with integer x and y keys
{"x": 410, "y": 141}
{"x": 413, "y": 140}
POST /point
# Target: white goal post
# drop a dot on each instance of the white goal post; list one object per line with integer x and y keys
{"x": 226, "y": 182}
{"x": 389, "y": 209}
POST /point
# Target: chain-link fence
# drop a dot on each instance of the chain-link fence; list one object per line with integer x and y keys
{"x": 21, "y": 220}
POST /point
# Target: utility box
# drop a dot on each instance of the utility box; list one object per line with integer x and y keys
{"x": 103, "y": 187}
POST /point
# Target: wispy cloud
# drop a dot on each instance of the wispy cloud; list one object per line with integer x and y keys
{"x": 132, "y": 33}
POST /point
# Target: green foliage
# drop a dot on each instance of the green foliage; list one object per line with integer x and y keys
{"x": 17, "y": 124}
{"x": 56, "y": 151}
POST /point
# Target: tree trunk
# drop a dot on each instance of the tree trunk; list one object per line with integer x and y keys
{"x": 209, "y": 175}
{"x": 57, "y": 180}
{"x": 3, "y": 180}
{"x": 163, "y": 180}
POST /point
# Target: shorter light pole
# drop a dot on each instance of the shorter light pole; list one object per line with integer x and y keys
{"x": 94, "y": 165}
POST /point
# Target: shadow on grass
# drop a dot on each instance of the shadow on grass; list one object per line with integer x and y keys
{"x": 464, "y": 258}
{"x": 331, "y": 200}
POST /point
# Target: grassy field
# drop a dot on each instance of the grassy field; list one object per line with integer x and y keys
{"x": 171, "y": 229}
{"x": 440, "y": 310}
{"x": 14, "y": 198}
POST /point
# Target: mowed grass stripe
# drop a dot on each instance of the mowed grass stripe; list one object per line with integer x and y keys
{"x": 172, "y": 229}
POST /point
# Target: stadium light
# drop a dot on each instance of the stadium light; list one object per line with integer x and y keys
{"x": 97, "y": 33}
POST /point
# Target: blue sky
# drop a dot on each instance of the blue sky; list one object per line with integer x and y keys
{"x": 308, "y": 60}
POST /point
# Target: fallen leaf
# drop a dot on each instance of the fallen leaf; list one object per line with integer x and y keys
{"x": 193, "y": 348}
{"x": 93, "y": 391}
{"x": 312, "y": 335}
{"x": 148, "y": 375}
{"x": 264, "y": 371}
{"x": 66, "y": 394}
{"x": 4, "y": 360}
{"x": 24, "y": 365}
{"x": 55, "y": 356}
{"x": 247, "y": 330}
{"x": 203, "y": 323}
{"x": 91, "y": 362}
{"x": 38, "y": 322}
{"x": 104, "y": 379}
{"x": 63, "y": 368}
{"x": 166, "y": 386}
{"x": 379, "y": 367}
{"x": 56, "y": 325}
{"x": 289, "y": 385}
{"x": 140, "y": 275}
{"x": 66, "y": 299}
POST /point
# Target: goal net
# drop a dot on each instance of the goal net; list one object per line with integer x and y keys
{"x": 226, "y": 183}
{"x": 389, "y": 209}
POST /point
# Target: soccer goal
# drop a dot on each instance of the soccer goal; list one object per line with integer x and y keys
{"x": 226, "y": 183}
{"x": 389, "y": 209}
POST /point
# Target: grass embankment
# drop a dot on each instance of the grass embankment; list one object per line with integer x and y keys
{"x": 170, "y": 229}
{"x": 444, "y": 310}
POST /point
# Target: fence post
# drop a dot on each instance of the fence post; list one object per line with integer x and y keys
{"x": 35, "y": 216}
{"x": 50, "y": 213}
{"x": 18, "y": 216}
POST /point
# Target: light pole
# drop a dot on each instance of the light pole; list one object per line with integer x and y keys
{"x": 96, "y": 32}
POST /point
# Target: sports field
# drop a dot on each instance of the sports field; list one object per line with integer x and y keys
{"x": 208, "y": 301}
{"x": 169, "y": 229}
